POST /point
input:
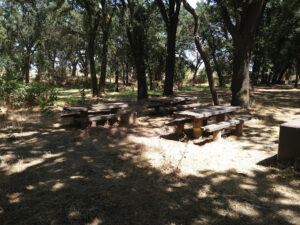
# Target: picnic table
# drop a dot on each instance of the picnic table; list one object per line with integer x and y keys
{"x": 199, "y": 117}
{"x": 171, "y": 103}
{"x": 97, "y": 112}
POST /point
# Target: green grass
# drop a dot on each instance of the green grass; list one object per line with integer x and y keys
{"x": 129, "y": 94}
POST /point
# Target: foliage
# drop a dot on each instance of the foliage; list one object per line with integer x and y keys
{"x": 16, "y": 93}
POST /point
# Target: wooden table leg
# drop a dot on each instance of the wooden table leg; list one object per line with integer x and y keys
{"x": 197, "y": 128}
{"x": 220, "y": 118}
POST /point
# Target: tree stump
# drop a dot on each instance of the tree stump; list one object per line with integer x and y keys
{"x": 289, "y": 142}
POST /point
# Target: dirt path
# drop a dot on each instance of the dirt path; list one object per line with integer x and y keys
{"x": 54, "y": 174}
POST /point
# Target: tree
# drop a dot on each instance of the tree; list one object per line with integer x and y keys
{"x": 202, "y": 52}
{"x": 246, "y": 16}
{"x": 135, "y": 29}
{"x": 91, "y": 22}
{"x": 170, "y": 16}
{"x": 107, "y": 15}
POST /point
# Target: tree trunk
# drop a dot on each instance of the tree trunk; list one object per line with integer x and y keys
{"x": 297, "y": 73}
{"x": 170, "y": 61}
{"x": 278, "y": 81}
{"x": 127, "y": 74}
{"x": 91, "y": 52}
{"x": 202, "y": 53}
{"x": 150, "y": 79}
{"x": 136, "y": 39}
{"x": 255, "y": 72}
{"x": 27, "y": 67}
{"x": 243, "y": 32}
{"x": 209, "y": 73}
{"x": 116, "y": 75}
{"x": 74, "y": 68}
{"x": 240, "y": 77}
{"x": 104, "y": 62}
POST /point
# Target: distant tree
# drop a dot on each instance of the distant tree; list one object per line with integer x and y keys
{"x": 135, "y": 15}
{"x": 203, "y": 52}
{"x": 169, "y": 10}
{"x": 92, "y": 17}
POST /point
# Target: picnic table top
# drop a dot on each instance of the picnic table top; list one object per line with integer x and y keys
{"x": 171, "y": 100}
{"x": 207, "y": 112}
{"x": 98, "y": 107}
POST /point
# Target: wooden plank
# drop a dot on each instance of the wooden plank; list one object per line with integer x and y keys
{"x": 178, "y": 121}
{"x": 224, "y": 124}
{"x": 77, "y": 109}
{"x": 71, "y": 114}
{"x": 207, "y": 112}
{"x": 188, "y": 106}
{"x": 103, "y": 117}
{"x": 108, "y": 106}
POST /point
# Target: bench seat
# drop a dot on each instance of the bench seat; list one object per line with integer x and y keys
{"x": 71, "y": 114}
{"x": 188, "y": 106}
{"x": 127, "y": 117}
{"x": 218, "y": 127}
{"x": 179, "y": 123}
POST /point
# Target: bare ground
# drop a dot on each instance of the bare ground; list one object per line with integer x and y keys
{"x": 51, "y": 173}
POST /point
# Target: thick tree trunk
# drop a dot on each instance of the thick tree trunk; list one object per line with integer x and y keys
{"x": 91, "y": 52}
{"x": 136, "y": 39}
{"x": 170, "y": 61}
{"x": 103, "y": 63}
{"x": 240, "y": 77}
{"x": 243, "y": 32}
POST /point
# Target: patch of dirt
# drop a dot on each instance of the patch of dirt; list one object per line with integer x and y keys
{"x": 51, "y": 173}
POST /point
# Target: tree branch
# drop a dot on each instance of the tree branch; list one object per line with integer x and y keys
{"x": 163, "y": 11}
{"x": 231, "y": 28}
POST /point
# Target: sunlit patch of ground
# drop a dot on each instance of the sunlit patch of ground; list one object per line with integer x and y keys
{"x": 51, "y": 173}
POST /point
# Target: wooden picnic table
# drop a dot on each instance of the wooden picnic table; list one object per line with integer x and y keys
{"x": 94, "y": 113}
{"x": 168, "y": 103}
{"x": 171, "y": 100}
{"x": 103, "y": 107}
{"x": 201, "y": 115}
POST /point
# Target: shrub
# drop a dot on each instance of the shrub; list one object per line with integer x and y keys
{"x": 15, "y": 93}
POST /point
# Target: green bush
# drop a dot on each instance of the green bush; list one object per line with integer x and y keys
{"x": 15, "y": 93}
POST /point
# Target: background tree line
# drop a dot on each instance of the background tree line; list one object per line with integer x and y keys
{"x": 150, "y": 42}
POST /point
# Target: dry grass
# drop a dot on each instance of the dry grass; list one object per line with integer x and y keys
{"x": 51, "y": 173}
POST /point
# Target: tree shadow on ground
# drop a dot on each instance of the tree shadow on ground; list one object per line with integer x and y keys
{"x": 95, "y": 176}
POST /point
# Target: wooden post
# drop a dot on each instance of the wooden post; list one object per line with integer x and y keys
{"x": 220, "y": 118}
{"x": 128, "y": 118}
{"x": 179, "y": 128}
{"x": 197, "y": 127}
{"x": 94, "y": 124}
{"x": 83, "y": 118}
{"x": 217, "y": 135}
{"x": 239, "y": 129}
